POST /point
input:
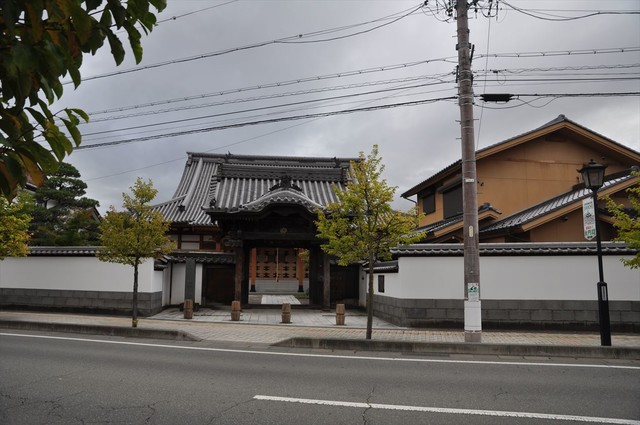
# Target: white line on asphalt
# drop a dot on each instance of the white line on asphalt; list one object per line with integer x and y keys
{"x": 327, "y": 356}
{"x": 447, "y": 410}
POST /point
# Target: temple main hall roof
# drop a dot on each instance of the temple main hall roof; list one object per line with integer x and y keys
{"x": 231, "y": 183}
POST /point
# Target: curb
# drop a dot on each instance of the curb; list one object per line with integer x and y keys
{"x": 626, "y": 353}
{"x": 168, "y": 334}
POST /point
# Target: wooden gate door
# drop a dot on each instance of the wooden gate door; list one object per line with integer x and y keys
{"x": 218, "y": 285}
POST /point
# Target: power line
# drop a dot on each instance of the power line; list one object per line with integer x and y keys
{"x": 530, "y": 12}
{"x": 274, "y": 85}
{"x": 273, "y": 96}
{"x": 262, "y": 108}
{"x": 269, "y": 121}
{"x": 174, "y": 18}
{"x": 283, "y": 40}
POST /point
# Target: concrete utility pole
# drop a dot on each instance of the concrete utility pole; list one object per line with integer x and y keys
{"x": 472, "y": 309}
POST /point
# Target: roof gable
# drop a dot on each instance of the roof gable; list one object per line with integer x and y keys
{"x": 560, "y": 123}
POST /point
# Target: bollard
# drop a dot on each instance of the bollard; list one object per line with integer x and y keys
{"x": 286, "y": 313}
{"x": 235, "y": 311}
{"x": 340, "y": 314}
{"x": 188, "y": 309}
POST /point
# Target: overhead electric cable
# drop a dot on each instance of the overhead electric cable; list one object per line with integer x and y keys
{"x": 570, "y": 18}
{"x": 269, "y": 97}
{"x": 270, "y": 85}
{"x": 234, "y": 49}
{"x": 262, "y": 108}
{"x": 173, "y": 18}
{"x": 269, "y": 121}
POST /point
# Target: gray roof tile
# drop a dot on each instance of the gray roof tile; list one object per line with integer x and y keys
{"x": 245, "y": 182}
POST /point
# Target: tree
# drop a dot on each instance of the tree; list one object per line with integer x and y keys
{"x": 134, "y": 235}
{"x": 627, "y": 223}
{"x": 14, "y": 225}
{"x": 361, "y": 225}
{"x": 63, "y": 216}
{"x": 42, "y": 41}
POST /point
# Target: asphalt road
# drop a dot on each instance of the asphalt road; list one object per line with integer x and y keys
{"x": 67, "y": 379}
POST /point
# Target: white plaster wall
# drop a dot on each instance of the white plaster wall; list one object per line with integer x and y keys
{"x": 166, "y": 282}
{"x": 74, "y": 273}
{"x": 363, "y": 276}
{"x": 513, "y": 278}
{"x": 390, "y": 281}
{"x": 199, "y": 269}
{"x": 177, "y": 285}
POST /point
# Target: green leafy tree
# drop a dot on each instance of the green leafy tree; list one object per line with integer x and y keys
{"x": 134, "y": 235}
{"x": 42, "y": 41}
{"x": 627, "y": 223}
{"x": 361, "y": 226}
{"x": 14, "y": 225}
{"x": 63, "y": 216}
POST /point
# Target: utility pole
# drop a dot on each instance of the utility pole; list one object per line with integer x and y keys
{"x": 472, "y": 304}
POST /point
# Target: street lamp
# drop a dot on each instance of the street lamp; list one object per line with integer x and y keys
{"x": 593, "y": 177}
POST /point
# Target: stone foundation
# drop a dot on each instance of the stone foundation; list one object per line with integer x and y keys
{"x": 95, "y": 301}
{"x": 508, "y": 314}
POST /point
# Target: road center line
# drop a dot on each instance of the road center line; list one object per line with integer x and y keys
{"x": 327, "y": 356}
{"x": 446, "y": 410}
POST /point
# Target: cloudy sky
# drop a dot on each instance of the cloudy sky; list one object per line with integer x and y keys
{"x": 210, "y": 64}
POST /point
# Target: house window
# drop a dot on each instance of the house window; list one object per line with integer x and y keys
{"x": 452, "y": 201}
{"x": 380, "y": 283}
{"x": 428, "y": 203}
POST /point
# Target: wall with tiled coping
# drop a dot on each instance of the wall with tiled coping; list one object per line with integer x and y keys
{"x": 76, "y": 280}
{"x": 522, "y": 286}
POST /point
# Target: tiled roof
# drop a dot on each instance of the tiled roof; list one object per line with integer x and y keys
{"x": 546, "y": 207}
{"x": 203, "y": 257}
{"x": 519, "y": 248}
{"x": 226, "y": 182}
{"x": 559, "y": 119}
{"x": 434, "y": 227}
{"x": 71, "y": 251}
{"x": 384, "y": 267}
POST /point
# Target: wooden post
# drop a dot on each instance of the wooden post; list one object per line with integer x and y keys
{"x": 286, "y": 313}
{"x": 326, "y": 280}
{"x": 253, "y": 265}
{"x": 340, "y": 314}
{"x": 300, "y": 271}
{"x": 188, "y": 309}
{"x": 235, "y": 311}
{"x": 239, "y": 273}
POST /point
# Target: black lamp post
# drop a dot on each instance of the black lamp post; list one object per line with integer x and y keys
{"x": 593, "y": 177}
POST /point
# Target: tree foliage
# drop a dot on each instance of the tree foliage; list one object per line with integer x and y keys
{"x": 42, "y": 41}
{"x": 63, "y": 216}
{"x": 131, "y": 236}
{"x": 627, "y": 222}
{"x": 14, "y": 225}
{"x": 361, "y": 226}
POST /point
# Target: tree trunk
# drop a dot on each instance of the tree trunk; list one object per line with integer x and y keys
{"x": 134, "y": 318}
{"x": 370, "y": 299}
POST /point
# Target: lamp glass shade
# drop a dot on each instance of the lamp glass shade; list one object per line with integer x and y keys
{"x": 593, "y": 175}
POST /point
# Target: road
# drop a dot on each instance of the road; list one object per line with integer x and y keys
{"x": 68, "y": 379}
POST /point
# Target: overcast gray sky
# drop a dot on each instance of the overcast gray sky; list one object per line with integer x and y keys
{"x": 282, "y": 59}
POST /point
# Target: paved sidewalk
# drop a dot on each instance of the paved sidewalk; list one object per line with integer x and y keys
{"x": 261, "y": 326}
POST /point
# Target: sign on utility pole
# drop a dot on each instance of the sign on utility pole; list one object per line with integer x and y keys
{"x": 589, "y": 218}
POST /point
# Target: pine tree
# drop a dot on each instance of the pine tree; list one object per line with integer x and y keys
{"x": 63, "y": 216}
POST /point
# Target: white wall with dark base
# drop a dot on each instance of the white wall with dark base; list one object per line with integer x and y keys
{"x": 522, "y": 286}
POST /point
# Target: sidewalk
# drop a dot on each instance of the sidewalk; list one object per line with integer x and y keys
{"x": 314, "y": 328}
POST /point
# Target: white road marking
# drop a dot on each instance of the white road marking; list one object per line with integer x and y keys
{"x": 327, "y": 356}
{"x": 446, "y": 410}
